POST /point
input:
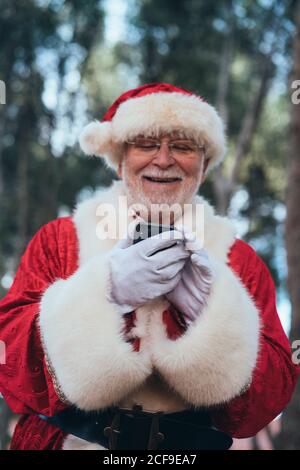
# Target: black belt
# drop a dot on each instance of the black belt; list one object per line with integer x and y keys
{"x": 133, "y": 429}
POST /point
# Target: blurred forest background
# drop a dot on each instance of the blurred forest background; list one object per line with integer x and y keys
{"x": 63, "y": 62}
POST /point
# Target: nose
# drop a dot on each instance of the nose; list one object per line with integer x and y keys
{"x": 163, "y": 158}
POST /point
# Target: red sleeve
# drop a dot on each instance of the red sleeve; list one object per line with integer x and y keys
{"x": 275, "y": 375}
{"x": 26, "y": 382}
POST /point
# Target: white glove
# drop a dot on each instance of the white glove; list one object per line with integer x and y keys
{"x": 140, "y": 272}
{"x": 190, "y": 294}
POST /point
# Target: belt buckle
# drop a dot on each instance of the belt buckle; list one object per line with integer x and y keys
{"x": 155, "y": 436}
{"x": 113, "y": 431}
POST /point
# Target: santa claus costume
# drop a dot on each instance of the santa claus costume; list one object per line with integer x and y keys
{"x": 67, "y": 346}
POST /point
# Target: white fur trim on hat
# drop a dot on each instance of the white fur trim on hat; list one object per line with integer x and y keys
{"x": 96, "y": 138}
{"x": 152, "y": 114}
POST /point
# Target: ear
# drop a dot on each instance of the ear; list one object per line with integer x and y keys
{"x": 205, "y": 165}
{"x": 119, "y": 170}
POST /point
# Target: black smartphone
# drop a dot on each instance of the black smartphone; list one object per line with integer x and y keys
{"x": 144, "y": 230}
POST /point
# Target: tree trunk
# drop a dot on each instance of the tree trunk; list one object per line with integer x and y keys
{"x": 1, "y": 149}
{"x": 290, "y": 436}
{"x": 23, "y": 181}
{"x": 5, "y": 415}
{"x": 223, "y": 185}
{"x": 220, "y": 182}
{"x": 225, "y": 64}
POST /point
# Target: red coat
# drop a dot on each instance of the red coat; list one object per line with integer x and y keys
{"x": 28, "y": 381}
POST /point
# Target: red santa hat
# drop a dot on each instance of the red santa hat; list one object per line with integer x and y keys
{"x": 153, "y": 109}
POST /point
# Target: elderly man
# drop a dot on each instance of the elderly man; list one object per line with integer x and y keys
{"x": 120, "y": 341}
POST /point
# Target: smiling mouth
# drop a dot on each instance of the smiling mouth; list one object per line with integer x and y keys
{"x": 162, "y": 180}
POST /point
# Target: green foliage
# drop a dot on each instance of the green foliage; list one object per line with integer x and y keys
{"x": 184, "y": 42}
{"x": 59, "y": 73}
{"x": 42, "y": 43}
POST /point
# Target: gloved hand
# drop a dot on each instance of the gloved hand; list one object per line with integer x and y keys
{"x": 139, "y": 273}
{"x": 190, "y": 294}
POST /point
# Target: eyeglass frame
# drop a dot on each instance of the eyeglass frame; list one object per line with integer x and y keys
{"x": 158, "y": 144}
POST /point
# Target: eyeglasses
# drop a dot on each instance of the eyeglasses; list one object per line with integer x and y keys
{"x": 177, "y": 148}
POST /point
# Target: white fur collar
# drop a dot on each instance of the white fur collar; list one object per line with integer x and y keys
{"x": 219, "y": 232}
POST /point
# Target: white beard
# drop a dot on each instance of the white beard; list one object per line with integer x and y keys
{"x": 159, "y": 202}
